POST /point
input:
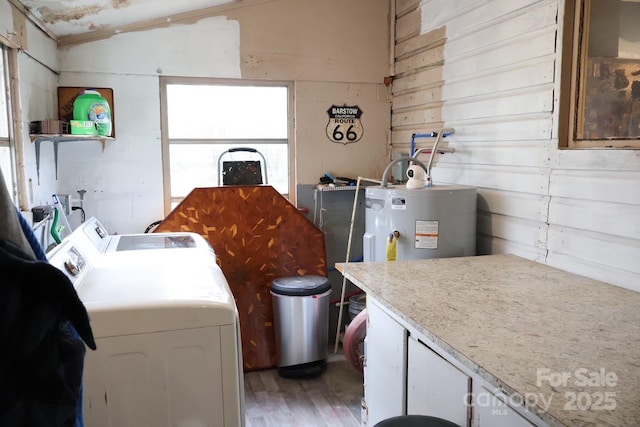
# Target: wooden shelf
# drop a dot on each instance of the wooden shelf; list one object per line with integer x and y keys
{"x": 68, "y": 137}
{"x": 58, "y": 138}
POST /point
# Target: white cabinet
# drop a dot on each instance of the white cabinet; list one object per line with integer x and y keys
{"x": 385, "y": 348}
{"x": 405, "y": 373}
{"x": 492, "y": 410}
{"x": 435, "y": 387}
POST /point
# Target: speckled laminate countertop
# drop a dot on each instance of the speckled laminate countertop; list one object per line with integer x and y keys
{"x": 523, "y": 327}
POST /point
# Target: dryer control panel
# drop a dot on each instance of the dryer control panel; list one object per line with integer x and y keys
{"x": 75, "y": 254}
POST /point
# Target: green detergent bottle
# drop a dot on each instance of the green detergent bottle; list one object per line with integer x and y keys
{"x": 90, "y": 105}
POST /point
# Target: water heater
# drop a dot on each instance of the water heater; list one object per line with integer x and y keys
{"x": 431, "y": 222}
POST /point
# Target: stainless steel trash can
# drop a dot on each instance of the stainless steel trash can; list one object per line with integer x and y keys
{"x": 301, "y": 322}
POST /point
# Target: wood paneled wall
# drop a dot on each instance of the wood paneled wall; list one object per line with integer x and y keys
{"x": 490, "y": 69}
{"x": 257, "y": 236}
{"x": 418, "y": 81}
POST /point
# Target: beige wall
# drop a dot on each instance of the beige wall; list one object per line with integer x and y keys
{"x": 337, "y": 52}
{"x": 328, "y": 41}
{"x": 316, "y": 154}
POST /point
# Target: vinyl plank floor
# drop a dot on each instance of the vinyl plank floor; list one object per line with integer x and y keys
{"x": 331, "y": 399}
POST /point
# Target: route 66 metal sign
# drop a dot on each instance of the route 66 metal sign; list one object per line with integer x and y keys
{"x": 344, "y": 124}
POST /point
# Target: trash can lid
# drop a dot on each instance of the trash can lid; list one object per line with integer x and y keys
{"x": 300, "y": 285}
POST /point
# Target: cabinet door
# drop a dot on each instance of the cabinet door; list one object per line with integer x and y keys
{"x": 435, "y": 387}
{"x": 385, "y": 349}
{"x": 490, "y": 410}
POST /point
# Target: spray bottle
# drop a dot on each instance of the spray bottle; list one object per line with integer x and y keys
{"x": 60, "y": 227}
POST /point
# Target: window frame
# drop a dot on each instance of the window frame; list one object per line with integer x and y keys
{"x": 167, "y": 142}
{"x": 574, "y": 42}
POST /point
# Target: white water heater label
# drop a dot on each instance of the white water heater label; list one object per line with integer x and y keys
{"x": 427, "y": 234}
{"x": 399, "y": 203}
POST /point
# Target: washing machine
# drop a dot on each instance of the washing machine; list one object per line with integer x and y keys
{"x": 166, "y": 328}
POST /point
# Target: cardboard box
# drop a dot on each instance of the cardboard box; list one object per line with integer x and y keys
{"x": 58, "y": 127}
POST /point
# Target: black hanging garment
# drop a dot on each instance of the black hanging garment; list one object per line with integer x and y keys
{"x": 41, "y": 357}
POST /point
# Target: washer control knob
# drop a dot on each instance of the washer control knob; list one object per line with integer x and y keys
{"x": 100, "y": 231}
{"x": 72, "y": 267}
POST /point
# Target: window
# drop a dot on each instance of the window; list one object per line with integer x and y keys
{"x": 204, "y": 119}
{"x": 6, "y": 153}
{"x": 600, "y": 101}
